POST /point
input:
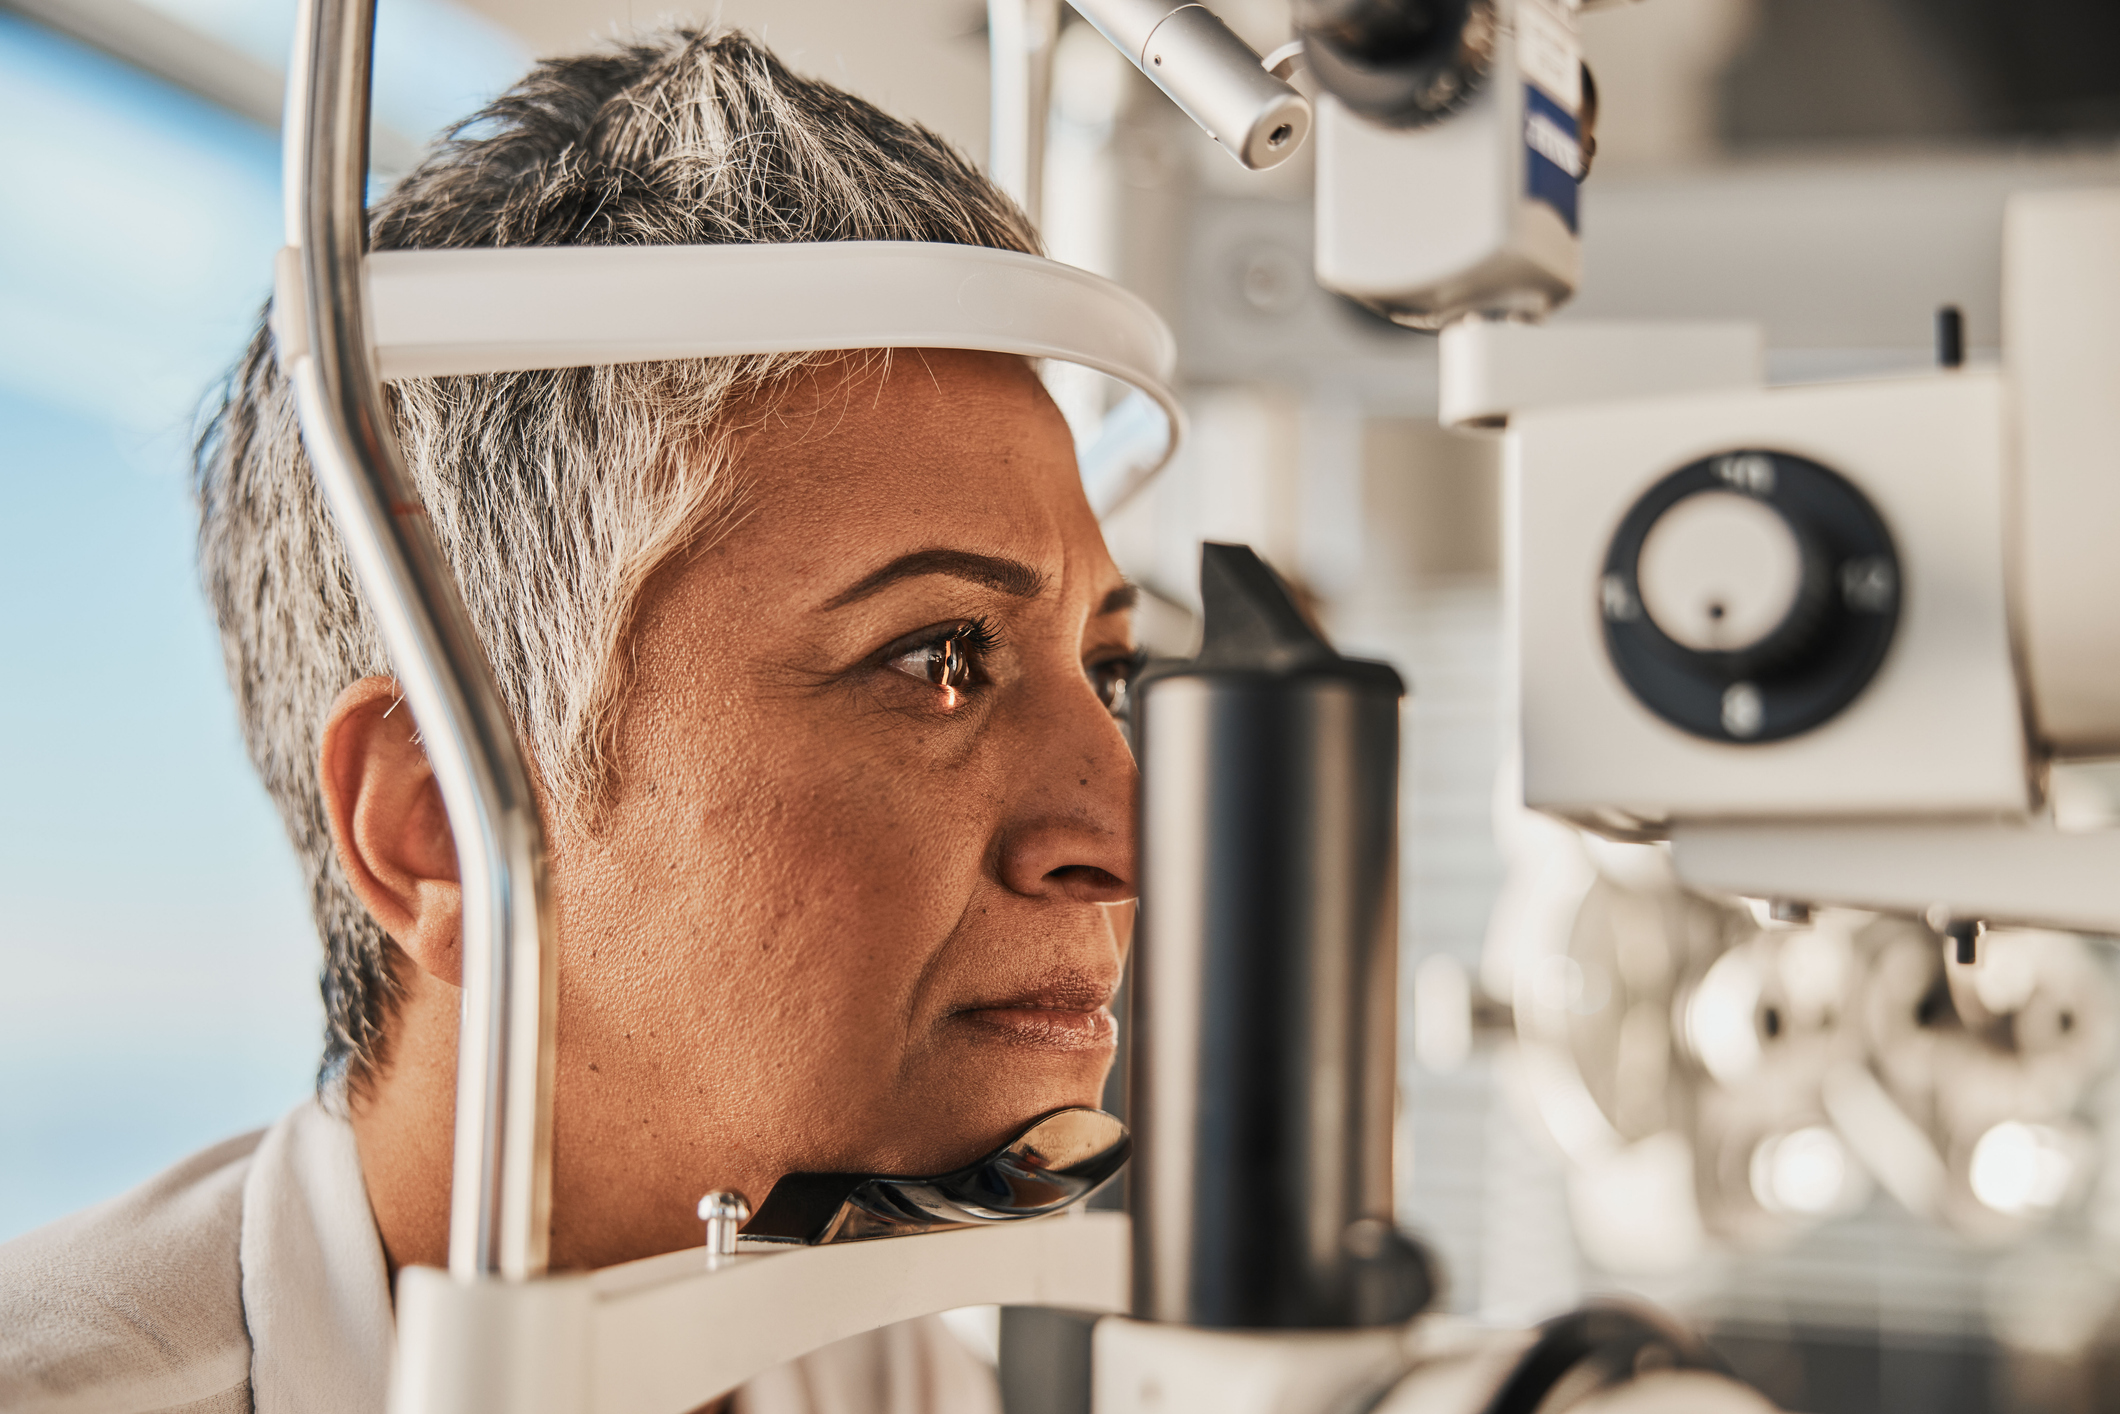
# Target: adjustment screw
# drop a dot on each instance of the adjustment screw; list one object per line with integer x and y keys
{"x": 1950, "y": 337}
{"x": 1964, "y": 934}
{"x": 1743, "y": 711}
{"x": 723, "y": 1211}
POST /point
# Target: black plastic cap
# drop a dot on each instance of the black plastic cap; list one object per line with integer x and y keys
{"x": 1252, "y": 624}
{"x": 1251, "y": 618}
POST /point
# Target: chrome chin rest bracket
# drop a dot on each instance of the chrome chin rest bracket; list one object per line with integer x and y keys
{"x": 1055, "y": 1162}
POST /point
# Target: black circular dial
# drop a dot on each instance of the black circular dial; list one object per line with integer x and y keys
{"x": 1749, "y": 596}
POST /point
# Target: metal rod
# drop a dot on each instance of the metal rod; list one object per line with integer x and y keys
{"x": 1210, "y": 73}
{"x": 500, "y": 1201}
{"x": 1020, "y": 38}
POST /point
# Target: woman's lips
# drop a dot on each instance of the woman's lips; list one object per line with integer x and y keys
{"x": 1048, "y": 1028}
{"x": 1070, "y": 1013}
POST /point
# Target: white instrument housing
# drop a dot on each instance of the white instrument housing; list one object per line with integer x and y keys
{"x": 2061, "y": 313}
{"x": 1474, "y": 213}
{"x": 2000, "y": 490}
{"x": 1938, "y": 731}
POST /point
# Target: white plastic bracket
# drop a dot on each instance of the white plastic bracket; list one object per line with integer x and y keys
{"x": 1140, "y": 1367}
{"x": 2025, "y": 874}
{"x": 1492, "y": 368}
{"x": 664, "y": 1335}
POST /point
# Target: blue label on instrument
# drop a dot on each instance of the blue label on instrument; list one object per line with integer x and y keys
{"x": 1553, "y": 154}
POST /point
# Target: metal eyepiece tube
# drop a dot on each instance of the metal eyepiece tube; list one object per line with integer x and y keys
{"x": 500, "y": 1204}
{"x": 1208, "y": 72}
{"x": 1262, "y": 1076}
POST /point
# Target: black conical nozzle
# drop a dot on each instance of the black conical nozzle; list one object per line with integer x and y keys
{"x": 1252, "y": 625}
{"x": 1252, "y": 620}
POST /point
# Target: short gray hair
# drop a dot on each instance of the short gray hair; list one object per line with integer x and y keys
{"x": 556, "y": 495}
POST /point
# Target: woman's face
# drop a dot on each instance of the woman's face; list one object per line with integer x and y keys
{"x": 863, "y": 890}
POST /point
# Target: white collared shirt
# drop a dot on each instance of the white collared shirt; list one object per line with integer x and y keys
{"x": 250, "y": 1278}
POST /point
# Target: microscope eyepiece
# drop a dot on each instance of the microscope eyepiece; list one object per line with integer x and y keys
{"x": 1381, "y": 32}
{"x": 1402, "y": 63}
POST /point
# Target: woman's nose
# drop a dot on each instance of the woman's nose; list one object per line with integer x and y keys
{"x": 1071, "y": 835}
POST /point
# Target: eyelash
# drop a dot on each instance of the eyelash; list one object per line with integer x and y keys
{"x": 951, "y": 657}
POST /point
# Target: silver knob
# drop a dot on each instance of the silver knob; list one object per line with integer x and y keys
{"x": 723, "y": 1211}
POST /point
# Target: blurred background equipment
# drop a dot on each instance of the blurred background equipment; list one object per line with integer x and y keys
{"x": 1696, "y": 1106}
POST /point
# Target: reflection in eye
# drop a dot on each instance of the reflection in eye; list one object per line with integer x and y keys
{"x": 948, "y": 656}
{"x": 1114, "y": 679}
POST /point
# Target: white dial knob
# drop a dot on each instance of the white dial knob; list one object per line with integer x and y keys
{"x": 1720, "y": 572}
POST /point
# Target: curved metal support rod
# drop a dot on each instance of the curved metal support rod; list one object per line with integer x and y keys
{"x": 500, "y": 1202}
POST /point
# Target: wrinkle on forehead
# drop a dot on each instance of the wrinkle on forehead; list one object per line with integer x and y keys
{"x": 935, "y": 449}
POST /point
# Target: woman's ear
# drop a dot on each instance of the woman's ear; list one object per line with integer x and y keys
{"x": 389, "y": 827}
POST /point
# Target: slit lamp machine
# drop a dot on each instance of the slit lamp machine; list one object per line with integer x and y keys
{"x": 1837, "y": 644}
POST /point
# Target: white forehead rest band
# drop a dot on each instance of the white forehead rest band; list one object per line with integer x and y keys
{"x": 435, "y": 313}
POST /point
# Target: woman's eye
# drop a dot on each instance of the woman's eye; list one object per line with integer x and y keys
{"x": 1114, "y": 678}
{"x": 952, "y": 660}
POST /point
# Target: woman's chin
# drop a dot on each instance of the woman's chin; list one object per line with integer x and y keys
{"x": 1000, "y": 1072}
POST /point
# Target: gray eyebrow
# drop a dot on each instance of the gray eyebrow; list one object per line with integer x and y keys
{"x": 1011, "y": 577}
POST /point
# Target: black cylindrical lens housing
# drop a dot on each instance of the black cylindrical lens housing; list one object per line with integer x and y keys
{"x": 1401, "y": 63}
{"x": 1262, "y": 1093}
